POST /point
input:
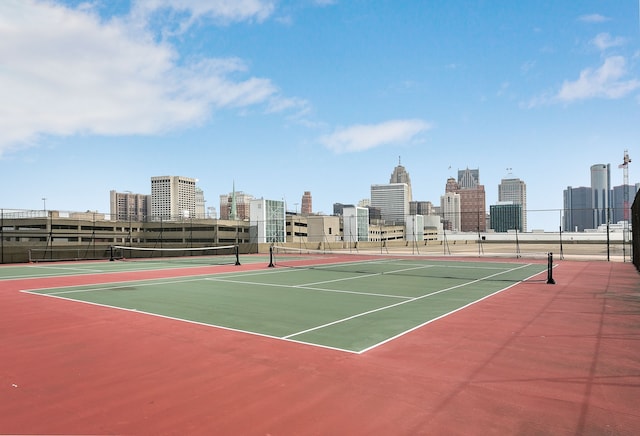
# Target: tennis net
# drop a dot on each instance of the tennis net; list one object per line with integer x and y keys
{"x": 220, "y": 255}
{"x": 353, "y": 263}
{"x": 65, "y": 254}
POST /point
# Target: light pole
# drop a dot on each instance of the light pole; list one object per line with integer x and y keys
{"x": 294, "y": 224}
{"x": 44, "y": 204}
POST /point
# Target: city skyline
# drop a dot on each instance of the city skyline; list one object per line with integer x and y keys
{"x": 284, "y": 97}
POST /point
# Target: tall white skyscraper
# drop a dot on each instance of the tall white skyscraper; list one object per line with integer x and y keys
{"x": 450, "y": 210}
{"x": 393, "y": 201}
{"x": 512, "y": 189}
{"x": 173, "y": 197}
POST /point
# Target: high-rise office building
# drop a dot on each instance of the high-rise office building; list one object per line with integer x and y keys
{"x": 619, "y": 196}
{"x": 235, "y": 206}
{"x": 400, "y": 175}
{"x": 306, "y": 205}
{"x": 578, "y": 209}
{"x": 512, "y": 189}
{"x": 472, "y": 200}
{"x": 452, "y": 185}
{"x": 421, "y": 208}
{"x": 450, "y": 210}
{"x": 468, "y": 178}
{"x": 338, "y": 208}
{"x": 126, "y": 206}
{"x": 392, "y": 200}
{"x": 173, "y": 197}
{"x": 200, "y": 204}
{"x": 473, "y": 209}
{"x": 506, "y": 216}
{"x": 600, "y": 193}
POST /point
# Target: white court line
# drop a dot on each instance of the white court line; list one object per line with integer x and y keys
{"x": 65, "y": 268}
{"x": 445, "y": 314}
{"x": 289, "y": 338}
{"x": 188, "y": 321}
{"x": 338, "y": 291}
{"x": 400, "y": 303}
{"x": 108, "y": 288}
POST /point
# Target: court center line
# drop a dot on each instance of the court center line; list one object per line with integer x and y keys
{"x": 443, "y": 315}
{"x": 400, "y": 303}
{"x": 362, "y": 276}
{"x": 338, "y": 291}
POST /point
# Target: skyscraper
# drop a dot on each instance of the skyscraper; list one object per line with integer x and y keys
{"x": 600, "y": 193}
{"x": 450, "y": 209}
{"x": 128, "y": 206}
{"x": 514, "y": 190}
{"x": 200, "y": 204}
{"x": 473, "y": 209}
{"x": 578, "y": 209}
{"x": 472, "y": 200}
{"x": 468, "y": 178}
{"x": 506, "y": 216}
{"x": 235, "y": 205}
{"x": 173, "y": 197}
{"x": 619, "y": 196}
{"x": 392, "y": 200}
{"x": 400, "y": 175}
{"x": 306, "y": 205}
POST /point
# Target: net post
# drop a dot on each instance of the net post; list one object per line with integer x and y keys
{"x": 271, "y": 265}
{"x": 237, "y": 253}
{"x": 550, "y": 280}
{"x": 111, "y": 253}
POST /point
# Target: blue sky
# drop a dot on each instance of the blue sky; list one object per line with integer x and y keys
{"x": 283, "y": 97}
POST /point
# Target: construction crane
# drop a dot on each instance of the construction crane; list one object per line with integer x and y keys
{"x": 626, "y": 211}
{"x": 625, "y": 180}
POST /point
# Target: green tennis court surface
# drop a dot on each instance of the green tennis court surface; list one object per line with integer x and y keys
{"x": 352, "y": 308}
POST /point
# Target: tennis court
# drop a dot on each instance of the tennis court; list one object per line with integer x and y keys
{"x": 176, "y": 259}
{"x": 344, "y": 302}
{"x": 319, "y": 344}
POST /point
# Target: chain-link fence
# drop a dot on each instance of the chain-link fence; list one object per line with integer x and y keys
{"x": 28, "y": 235}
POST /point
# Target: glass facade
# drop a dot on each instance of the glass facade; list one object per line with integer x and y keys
{"x": 506, "y": 217}
{"x": 268, "y": 221}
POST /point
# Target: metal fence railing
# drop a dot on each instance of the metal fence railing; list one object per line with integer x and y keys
{"x": 86, "y": 235}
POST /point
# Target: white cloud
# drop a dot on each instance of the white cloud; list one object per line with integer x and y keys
{"x": 593, "y": 18}
{"x": 604, "y": 82}
{"x": 325, "y": 2}
{"x": 67, "y": 72}
{"x": 603, "y": 41}
{"x": 363, "y": 137}
{"x": 187, "y": 12}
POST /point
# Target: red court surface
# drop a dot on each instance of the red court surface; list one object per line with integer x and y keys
{"x": 559, "y": 359}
